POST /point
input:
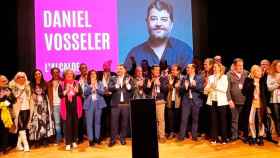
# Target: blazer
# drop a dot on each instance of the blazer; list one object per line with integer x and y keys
{"x": 163, "y": 89}
{"x": 177, "y": 94}
{"x": 99, "y": 103}
{"x": 116, "y": 92}
{"x": 220, "y": 90}
{"x": 196, "y": 91}
{"x": 234, "y": 90}
{"x": 273, "y": 86}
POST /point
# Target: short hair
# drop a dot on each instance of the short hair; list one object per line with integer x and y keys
{"x": 138, "y": 67}
{"x": 265, "y": 60}
{"x": 71, "y": 71}
{"x": 82, "y": 64}
{"x": 154, "y": 66}
{"x": 178, "y": 66}
{"x": 144, "y": 60}
{"x": 122, "y": 65}
{"x": 192, "y": 65}
{"x": 236, "y": 60}
{"x": 161, "y": 5}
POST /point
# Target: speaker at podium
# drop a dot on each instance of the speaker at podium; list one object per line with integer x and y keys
{"x": 144, "y": 128}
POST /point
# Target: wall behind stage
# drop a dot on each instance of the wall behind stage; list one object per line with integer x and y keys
{"x": 71, "y": 32}
{"x": 133, "y": 29}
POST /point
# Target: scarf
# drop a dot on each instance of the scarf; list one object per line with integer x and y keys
{"x": 5, "y": 115}
{"x": 71, "y": 92}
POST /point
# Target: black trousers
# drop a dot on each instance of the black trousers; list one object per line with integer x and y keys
{"x": 81, "y": 127}
{"x": 106, "y": 118}
{"x": 275, "y": 109}
{"x": 219, "y": 122}
{"x": 71, "y": 124}
{"x": 173, "y": 119}
{"x": 4, "y": 134}
{"x": 204, "y": 121}
{"x": 23, "y": 119}
{"x": 119, "y": 121}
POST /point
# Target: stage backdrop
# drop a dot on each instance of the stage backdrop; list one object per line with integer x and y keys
{"x": 71, "y": 32}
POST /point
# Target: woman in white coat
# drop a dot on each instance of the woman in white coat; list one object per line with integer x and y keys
{"x": 216, "y": 89}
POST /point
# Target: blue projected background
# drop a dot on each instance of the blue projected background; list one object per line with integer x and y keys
{"x": 132, "y": 25}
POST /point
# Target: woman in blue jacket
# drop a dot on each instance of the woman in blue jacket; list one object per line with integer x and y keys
{"x": 93, "y": 105}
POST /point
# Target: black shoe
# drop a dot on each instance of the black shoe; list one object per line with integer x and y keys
{"x": 80, "y": 141}
{"x": 171, "y": 136}
{"x": 245, "y": 140}
{"x": 91, "y": 143}
{"x": 269, "y": 137}
{"x": 194, "y": 139}
{"x": 123, "y": 141}
{"x": 233, "y": 139}
{"x": 180, "y": 139}
{"x": 98, "y": 141}
{"x": 112, "y": 143}
{"x": 37, "y": 144}
{"x": 45, "y": 143}
{"x": 260, "y": 141}
{"x": 3, "y": 151}
{"x": 252, "y": 141}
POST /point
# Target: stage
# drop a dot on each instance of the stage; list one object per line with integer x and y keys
{"x": 185, "y": 149}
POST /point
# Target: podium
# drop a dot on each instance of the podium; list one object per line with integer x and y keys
{"x": 144, "y": 128}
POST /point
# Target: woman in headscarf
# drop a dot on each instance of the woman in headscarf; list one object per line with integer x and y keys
{"x": 22, "y": 108}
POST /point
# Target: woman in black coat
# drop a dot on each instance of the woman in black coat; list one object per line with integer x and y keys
{"x": 255, "y": 105}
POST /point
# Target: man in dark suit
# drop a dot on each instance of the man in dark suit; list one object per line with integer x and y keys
{"x": 121, "y": 87}
{"x": 157, "y": 88}
{"x": 191, "y": 90}
{"x": 173, "y": 106}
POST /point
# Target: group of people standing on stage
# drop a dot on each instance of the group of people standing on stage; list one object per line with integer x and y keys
{"x": 190, "y": 102}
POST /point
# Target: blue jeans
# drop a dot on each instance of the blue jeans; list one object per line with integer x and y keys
{"x": 93, "y": 121}
{"x": 56, "y": 113}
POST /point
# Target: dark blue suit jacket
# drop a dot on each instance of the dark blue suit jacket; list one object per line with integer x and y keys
{"x": 196, "y": 91}
{"x": 116, "y": 92}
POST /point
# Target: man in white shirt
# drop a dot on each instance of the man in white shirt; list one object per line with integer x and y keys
{"x": 121, "y": 88}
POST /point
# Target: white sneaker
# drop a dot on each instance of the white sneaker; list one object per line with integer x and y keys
{"x": 213, "y": 142}
{"x": 26, "y": 149}
{"x": 68, "y": 148}
{"x": 20, "y": 148}
{"x": 19, "y": 143}
{"x": 25, "y": 142}
{"x": 74, "y": 145}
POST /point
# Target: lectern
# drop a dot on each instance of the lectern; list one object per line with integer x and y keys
{"x": 144, "y": 128}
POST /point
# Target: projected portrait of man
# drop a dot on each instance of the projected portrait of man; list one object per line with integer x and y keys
{"x": 160, "y": 45}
